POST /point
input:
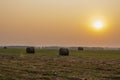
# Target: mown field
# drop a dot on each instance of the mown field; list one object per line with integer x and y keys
{"x": 15, "y": 64}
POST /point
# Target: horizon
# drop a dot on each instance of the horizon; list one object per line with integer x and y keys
{"x": 60, "y": 23}
{"x": 44, "y": 46}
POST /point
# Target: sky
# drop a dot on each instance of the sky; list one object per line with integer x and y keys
{"x": 59, "y": 22}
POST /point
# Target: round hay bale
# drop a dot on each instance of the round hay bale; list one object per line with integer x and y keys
{"x": 80, "y": 48}
{"x": 5, "y": 47}
{"x": 30, "y": 50}
{"x": 63, "y": 52}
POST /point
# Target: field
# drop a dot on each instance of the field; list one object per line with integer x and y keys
{"x": 15, "y": 64}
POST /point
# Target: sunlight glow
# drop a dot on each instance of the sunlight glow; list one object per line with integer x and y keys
{"x": 98, "y": 24}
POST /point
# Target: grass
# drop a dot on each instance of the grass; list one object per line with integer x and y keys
{"x": 15, "y": 64}
{"x": 97, "y": 54}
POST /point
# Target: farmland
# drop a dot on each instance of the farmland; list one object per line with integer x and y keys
{"x": 46, "y": 64}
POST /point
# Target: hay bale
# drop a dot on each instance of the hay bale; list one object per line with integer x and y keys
{"x": 63, "y": 52}
{"x": 80, "y": 48}
{"x": 5, "y": 47}
{"x": 30, "y": 50}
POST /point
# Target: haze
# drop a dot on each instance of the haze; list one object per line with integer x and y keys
{"x": 59, "y": 22}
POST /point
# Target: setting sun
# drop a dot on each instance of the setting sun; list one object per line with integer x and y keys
{"x": 98, "y": 24}
{"x": 60, "y": 23}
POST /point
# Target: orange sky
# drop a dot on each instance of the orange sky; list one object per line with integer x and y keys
{"x": 59, "y": 22}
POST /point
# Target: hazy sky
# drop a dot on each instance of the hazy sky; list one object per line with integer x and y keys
{"x": 59, "y": 22}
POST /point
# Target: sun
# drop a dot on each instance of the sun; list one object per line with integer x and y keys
{"x": 98, "y": 25}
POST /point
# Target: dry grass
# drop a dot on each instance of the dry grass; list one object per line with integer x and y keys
{"x": 34, "y": 67}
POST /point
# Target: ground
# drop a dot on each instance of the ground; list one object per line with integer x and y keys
{"x": 15, "y": 64}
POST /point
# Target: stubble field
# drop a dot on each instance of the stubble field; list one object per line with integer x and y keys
{"x": 46, "y": 64}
